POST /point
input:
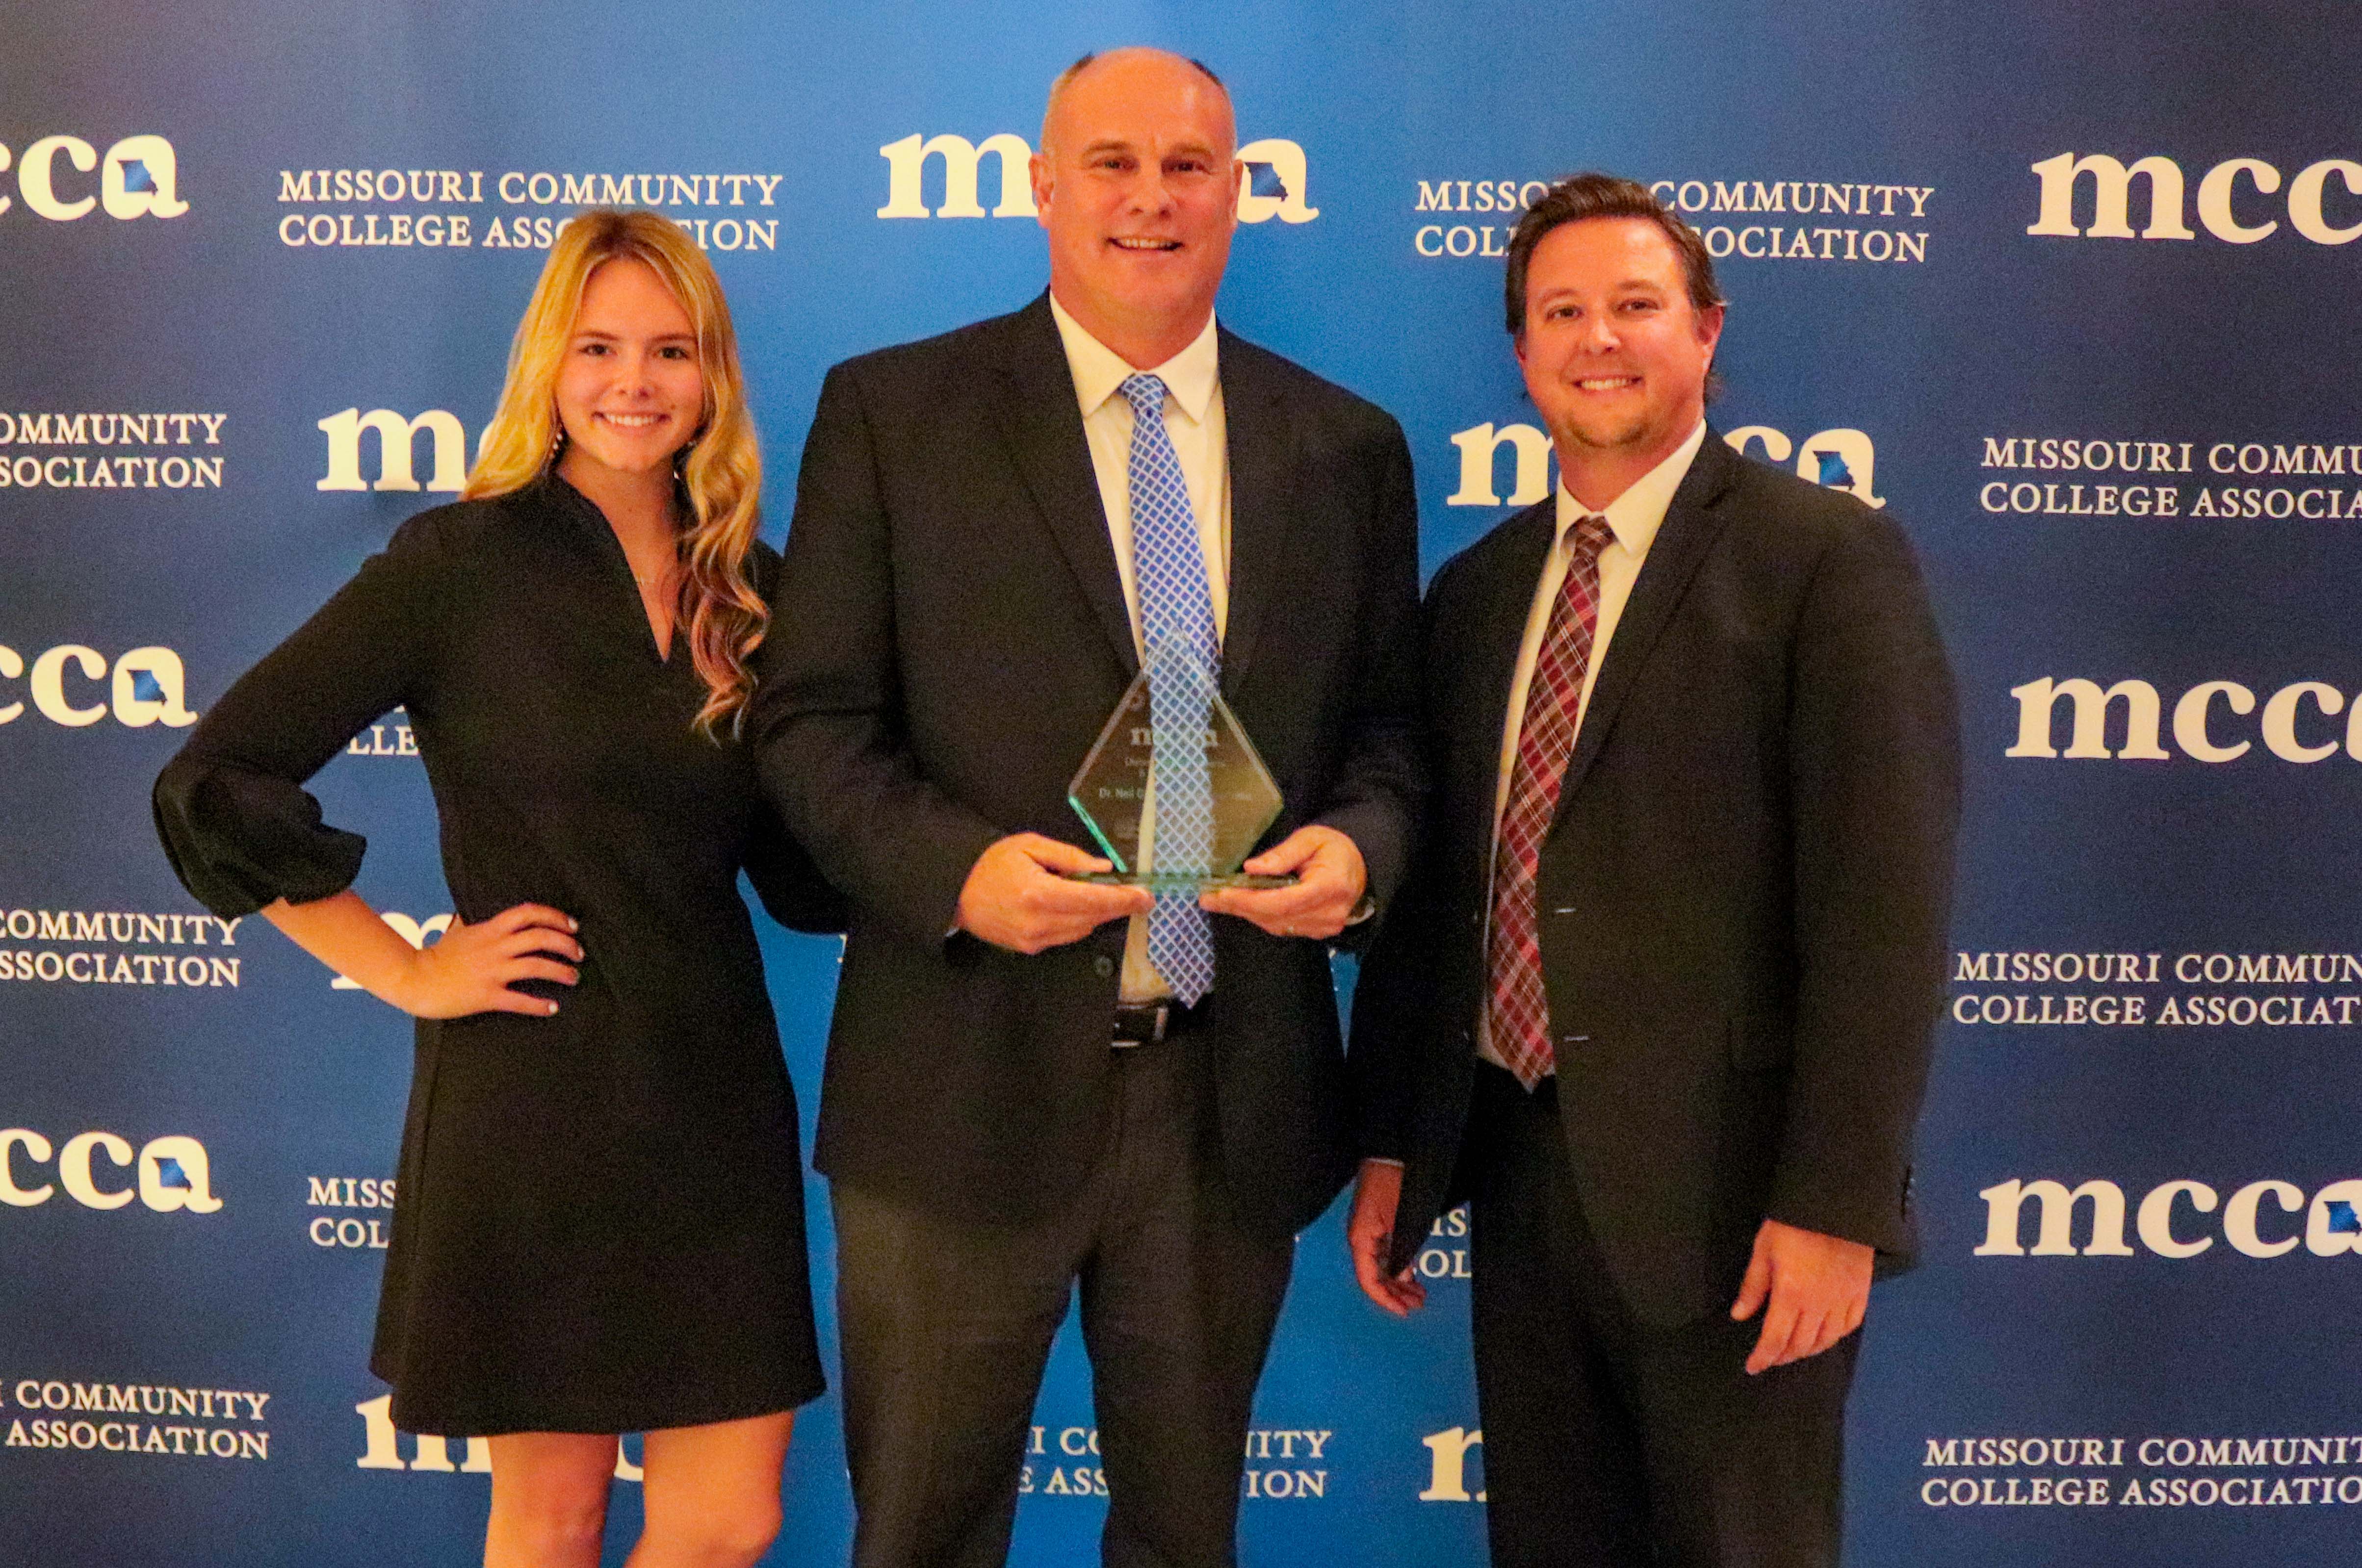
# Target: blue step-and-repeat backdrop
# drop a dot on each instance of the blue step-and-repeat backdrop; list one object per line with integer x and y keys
{"x": 2069, "y": 289}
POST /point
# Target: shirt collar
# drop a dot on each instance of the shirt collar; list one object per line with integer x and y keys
{"x": 1189, "y": 376}
{"x": 1635, "y": 517}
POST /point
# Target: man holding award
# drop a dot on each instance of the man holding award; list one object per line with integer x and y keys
{"x": 1097, "y": 575}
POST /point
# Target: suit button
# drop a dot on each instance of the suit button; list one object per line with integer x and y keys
{"x": 1103, "y": 965}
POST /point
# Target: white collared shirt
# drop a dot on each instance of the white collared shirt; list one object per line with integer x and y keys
{"x": 1634, "y": 518}
{"x": 1194, "y": 419}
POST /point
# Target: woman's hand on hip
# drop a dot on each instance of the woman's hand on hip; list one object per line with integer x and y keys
{"x": 472, "y": 969}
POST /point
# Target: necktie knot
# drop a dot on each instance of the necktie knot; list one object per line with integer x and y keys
{"x": 1145, "y": 393}
{"x": 1590, "y": 536}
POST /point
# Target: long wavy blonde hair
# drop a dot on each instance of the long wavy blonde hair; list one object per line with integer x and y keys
{"x": 721, "y": 477}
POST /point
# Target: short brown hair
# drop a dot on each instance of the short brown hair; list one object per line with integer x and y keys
{"x": 1593, "y": 195}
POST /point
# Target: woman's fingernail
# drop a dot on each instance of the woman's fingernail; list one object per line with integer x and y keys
{"x": 553, "y": 1007}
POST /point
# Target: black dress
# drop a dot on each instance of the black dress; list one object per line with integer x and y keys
{"x": 601, "y": 1223}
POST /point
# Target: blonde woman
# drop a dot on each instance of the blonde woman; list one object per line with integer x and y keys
{"x": 600, "y": 1224}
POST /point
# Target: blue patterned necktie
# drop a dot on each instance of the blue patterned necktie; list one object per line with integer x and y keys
{"x": 1184, "y": 659}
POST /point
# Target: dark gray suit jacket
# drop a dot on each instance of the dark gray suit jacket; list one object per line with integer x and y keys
{"x": 1743, "y": 899}
{"x": 950, "y": 638}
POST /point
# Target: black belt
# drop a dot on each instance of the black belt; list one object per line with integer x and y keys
{"x": 1497, "y": 1084}
{"x": 1145, "y": 1024}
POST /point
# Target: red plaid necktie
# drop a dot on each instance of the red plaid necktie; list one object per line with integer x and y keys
{"x": 1517, "y": 1018}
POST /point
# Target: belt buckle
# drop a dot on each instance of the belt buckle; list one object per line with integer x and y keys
{"x": 1161, "y": 1009}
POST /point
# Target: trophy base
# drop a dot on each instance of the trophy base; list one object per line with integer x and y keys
{"x": 1160, "y": 882}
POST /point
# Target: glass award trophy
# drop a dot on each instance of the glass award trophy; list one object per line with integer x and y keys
{"x": 1111, "y": 791}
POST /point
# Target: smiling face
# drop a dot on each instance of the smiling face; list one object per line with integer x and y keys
{"x": 629, "y": 393}
{"x": 1137, "y": 184}
{"x": 1614, "y": 353}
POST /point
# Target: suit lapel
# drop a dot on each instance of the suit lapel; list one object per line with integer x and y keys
{"x": 1497, "y": 629}
{"x": 1261, "y": 443}
{"x": 1045, "y": 430}
{"x": 1690, "y": 527}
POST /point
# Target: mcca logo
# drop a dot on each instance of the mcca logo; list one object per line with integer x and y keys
{"x": 139, "y": 177}
{"x": 2332, "y": 1224}
{"x": 1447, "y": 1466}
{"x": 2111, "y": 199}
{"x": 396, "y": 449}
{"x": 2193, "y": 727}
{"x": 149, "y": 686}
{"x": 1271, "y": 178}
{"x": 1842, "y": 460}
{"x": 174, "y": 1172}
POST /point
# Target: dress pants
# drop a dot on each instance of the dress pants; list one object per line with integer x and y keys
{"x": 1608, "y": 1444}
{"x": 946, "y": 1326}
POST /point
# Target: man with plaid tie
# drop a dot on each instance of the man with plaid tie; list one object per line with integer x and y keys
{"x": 1656, "y": 998}
{"x": 1035, "y": 1083}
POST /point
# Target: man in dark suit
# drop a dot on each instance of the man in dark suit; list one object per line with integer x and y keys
{"x": 1657, "y": 996}
{"x": 1035, "y": 1081}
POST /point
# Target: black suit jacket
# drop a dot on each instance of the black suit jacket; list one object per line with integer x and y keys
{"x": 952, "y": 637}
{"x": 1743, "y": 900}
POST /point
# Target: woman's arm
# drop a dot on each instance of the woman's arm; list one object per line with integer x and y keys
{"x": 231, "y": 809}
{"x": 469, "y": 970}
{"x": 243, "y": 835}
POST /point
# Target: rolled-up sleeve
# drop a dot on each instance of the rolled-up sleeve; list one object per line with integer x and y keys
{"x": 231, "y": 809}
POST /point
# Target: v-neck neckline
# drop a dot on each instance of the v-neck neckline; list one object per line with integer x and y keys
{"x": 612, "y": 547}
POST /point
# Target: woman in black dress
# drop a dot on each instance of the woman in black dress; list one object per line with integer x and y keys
{"x": 601, "y": 1223}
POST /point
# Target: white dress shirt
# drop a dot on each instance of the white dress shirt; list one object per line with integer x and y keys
{"x": 1634, "y": 518}
{"x": 1194, "y": 419}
